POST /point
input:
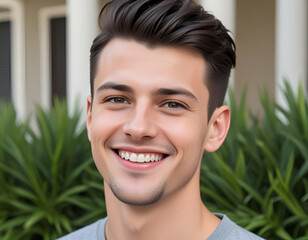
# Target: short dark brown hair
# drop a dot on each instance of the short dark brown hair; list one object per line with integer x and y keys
{"x": 174, "y": 23}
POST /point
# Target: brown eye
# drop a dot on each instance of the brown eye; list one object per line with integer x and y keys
{"x": 174, "y": 105}
{"x": 117, "y": 100}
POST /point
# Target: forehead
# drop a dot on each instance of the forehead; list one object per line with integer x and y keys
{"x": 130, "y": 60}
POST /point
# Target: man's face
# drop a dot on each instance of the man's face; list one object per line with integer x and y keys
{"x": 148, "y": 123}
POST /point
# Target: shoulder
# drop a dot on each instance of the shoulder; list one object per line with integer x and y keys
{"x": 240, "y": 233}
{"x": 93, "y": 231}
{"x": 228, "y": 230}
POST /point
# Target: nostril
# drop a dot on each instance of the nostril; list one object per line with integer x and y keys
{"x": 137, "y": 129}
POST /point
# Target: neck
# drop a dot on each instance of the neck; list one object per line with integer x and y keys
{"x": 181, "y": 215}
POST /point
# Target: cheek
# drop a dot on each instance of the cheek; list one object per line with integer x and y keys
{"x": 188, "y": 141}
{"x": 103, "y": 126}
{"x": 187, "y": 136}
{"x": 187, "y": 133}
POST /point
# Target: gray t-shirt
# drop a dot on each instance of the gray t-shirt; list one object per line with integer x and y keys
{"x": 227, "y": 230}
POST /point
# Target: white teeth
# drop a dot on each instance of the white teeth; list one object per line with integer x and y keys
{"x": 147, "y": 158}
{"x": 133, "y": 157}
{"x": 141, "y": 158}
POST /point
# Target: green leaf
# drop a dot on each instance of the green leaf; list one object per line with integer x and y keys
{"x": 240, "y": 169}
{"x": 34, "y": 218}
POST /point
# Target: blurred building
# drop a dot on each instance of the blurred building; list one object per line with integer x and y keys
{"x": 44, "y": 48}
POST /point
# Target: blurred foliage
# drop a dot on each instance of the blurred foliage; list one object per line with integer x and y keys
{"x": 49, "y": 184}
{"x": 259, "y": 177}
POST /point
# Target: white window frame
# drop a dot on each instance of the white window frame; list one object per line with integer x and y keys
{"x": 45, "y": 15}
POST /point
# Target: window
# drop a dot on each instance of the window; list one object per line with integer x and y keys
{"x": 58, "y": 57}
{"x": 5, "y": 61}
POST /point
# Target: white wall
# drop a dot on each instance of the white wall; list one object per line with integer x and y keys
{"x": 291, "y": 45}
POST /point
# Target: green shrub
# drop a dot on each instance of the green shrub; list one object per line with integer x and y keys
{"x": 259, "y": 177}
{"x": 49, "y": 184}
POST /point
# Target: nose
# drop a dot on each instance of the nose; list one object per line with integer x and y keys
{"x": 140, "y": 125}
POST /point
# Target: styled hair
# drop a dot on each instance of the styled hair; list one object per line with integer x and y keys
{"x": 174, "y": 23}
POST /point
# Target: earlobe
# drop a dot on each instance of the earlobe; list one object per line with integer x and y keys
{"x": 218, "y": 129}
{"x": 89, "y": 116}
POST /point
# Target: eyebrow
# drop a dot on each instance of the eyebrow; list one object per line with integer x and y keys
{"x": 160, "y": 91}
{"x": 175, "y": 91}
{"x": 115, "y": 86}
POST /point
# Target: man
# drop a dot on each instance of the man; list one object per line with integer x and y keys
{"x": 159, "y": 73}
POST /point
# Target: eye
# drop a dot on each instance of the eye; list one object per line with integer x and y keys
{"x": 174, "y": 105}
{"x": 117, "y": 100}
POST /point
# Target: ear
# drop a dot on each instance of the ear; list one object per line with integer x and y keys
{"x": 217, "y": 128}
{"x": 89, "y": 116}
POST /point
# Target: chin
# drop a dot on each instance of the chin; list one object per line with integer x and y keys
{"x": 138, "y": 198}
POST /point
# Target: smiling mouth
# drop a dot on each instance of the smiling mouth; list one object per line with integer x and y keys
{"x": 140, "y": 157}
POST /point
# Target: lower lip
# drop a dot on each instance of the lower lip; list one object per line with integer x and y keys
{"x": 137, "y": 166}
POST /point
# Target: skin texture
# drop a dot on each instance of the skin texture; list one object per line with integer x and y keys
{"x": 153, "y": 101}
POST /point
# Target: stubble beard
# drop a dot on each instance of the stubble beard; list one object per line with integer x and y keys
{"x": 152, "y": 196}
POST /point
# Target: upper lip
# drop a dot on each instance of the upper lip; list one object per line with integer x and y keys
{"x": 140, "y": 149}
